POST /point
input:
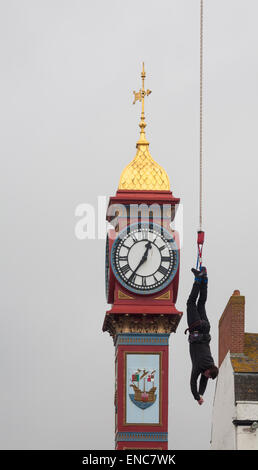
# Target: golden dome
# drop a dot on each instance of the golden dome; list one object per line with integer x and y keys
{"x": 143, "y": 173}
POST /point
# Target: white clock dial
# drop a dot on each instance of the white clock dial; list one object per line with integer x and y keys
{"x": 144, "y": 258}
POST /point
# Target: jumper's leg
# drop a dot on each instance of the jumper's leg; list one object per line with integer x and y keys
{"x": 192, "y": 312}
{"x": 201, "y": 307}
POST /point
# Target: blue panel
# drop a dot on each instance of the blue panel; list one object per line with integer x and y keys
{"x": 142, "y": 339}
{"x": 142, "y": 436}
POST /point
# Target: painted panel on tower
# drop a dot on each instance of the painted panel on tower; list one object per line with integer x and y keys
{"x": 142, "y": 388}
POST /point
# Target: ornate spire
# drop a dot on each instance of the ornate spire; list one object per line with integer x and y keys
{"x": 140, "y": 96}
{"x": 143, "y": 173}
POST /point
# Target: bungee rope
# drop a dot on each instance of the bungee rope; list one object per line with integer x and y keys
{"x": 200, "y": 233}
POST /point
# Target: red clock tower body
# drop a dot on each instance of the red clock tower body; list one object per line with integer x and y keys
{"x": 142, "y": 275}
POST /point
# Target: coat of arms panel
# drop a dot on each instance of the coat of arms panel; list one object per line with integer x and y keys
{"x": 143, "y": 388}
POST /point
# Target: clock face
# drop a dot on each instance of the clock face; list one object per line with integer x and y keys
{"x": 144, "y": 258}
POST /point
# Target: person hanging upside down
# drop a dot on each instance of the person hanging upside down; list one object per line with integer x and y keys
{"x": 199, "y": 336}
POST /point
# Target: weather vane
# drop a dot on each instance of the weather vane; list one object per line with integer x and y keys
{"x": 139, "y": 96}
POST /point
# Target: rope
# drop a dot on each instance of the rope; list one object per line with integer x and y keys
{"x": 201, "y": 112}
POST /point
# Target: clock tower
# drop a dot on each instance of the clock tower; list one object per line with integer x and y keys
{"x": 142, "y": 275}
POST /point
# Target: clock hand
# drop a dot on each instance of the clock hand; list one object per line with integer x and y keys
{"x": 144, "y": 258}
{"x": 148, "y": 246}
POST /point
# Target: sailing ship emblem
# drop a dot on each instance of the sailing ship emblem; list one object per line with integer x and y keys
{"x": 143, "y": 384}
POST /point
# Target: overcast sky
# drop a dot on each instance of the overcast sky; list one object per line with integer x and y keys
{"x": 67, "y": 130}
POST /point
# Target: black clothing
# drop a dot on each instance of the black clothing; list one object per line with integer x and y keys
{"x": 199, "y": 338}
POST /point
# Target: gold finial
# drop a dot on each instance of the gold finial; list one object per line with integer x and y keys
{"x": 140, "y": 96}
{"x": 143, "y": 173}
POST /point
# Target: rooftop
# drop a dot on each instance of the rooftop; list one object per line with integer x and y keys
{"x": 247, "y": 361}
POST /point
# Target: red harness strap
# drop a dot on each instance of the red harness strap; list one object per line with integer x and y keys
{"x": 200, "y": 242}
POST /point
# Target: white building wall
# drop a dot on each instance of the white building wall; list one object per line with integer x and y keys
{"x": 223, "y": 435}
{"x": 246, "y": 438}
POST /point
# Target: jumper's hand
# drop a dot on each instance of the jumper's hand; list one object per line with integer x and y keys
{"x": 201, "y": 401}
{"x": 144, "y": 258}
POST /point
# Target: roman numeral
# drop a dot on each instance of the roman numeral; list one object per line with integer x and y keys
{"x": 144, "y": 281}
{"x": 162, "y": 270}
{"x": 132, "y": 278}
{"x": 125, "y": 269}
{"x": 145, "y": 234}
{"x": 165, "y": 259}
{"x": 162, "y": 247}
{"x": 122, "y": 258}
{"x": 154, "y": 239}
{"x": 132, "y": 235}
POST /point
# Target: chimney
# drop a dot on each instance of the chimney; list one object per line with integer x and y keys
{"x": 232, "y": 326}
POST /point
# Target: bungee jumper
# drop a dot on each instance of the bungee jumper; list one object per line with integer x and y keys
{"x": 198, "y": 324}
{"x": 199, "y": 336}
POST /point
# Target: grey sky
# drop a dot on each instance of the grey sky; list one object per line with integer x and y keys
{"x": 67, "y": 130}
